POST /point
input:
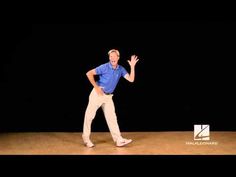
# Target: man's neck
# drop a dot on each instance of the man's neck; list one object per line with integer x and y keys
{"x": 114, "y": 67}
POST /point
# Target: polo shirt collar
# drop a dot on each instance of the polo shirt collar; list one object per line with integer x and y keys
{"x": 112, "y": 67}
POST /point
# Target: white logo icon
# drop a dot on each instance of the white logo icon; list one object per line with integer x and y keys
{"x": 201, "y": 132}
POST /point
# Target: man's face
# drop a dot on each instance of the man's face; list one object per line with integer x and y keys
{"x": 113, "y": 58}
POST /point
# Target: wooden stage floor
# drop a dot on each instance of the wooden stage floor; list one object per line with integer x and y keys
{"x": 144, "y": 143}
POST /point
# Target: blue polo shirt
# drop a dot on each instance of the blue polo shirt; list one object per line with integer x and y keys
{"x": 109, "y": 77}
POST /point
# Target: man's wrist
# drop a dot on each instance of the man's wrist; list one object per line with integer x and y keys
{"x": 132, "y": 67}
{"x": 96, "y": 86}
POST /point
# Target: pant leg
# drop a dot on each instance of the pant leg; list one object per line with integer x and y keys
{"x": 93, "y": 105}
{"x": 111, "y": 118}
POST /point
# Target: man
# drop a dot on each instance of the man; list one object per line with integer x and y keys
{"x": 101, "y": 96}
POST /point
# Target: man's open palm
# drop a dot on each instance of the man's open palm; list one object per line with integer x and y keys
{"x": 134, "y": 59}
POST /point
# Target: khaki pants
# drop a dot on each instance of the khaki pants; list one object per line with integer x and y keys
{"x": 105, "y": 101}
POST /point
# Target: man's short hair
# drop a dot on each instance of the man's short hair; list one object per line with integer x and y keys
{"x": 114, "y": 50}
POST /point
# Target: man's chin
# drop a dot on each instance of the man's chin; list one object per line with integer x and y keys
{"x": 114, "y": 64}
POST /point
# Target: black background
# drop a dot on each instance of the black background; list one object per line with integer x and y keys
{"x": 185, "y": 74}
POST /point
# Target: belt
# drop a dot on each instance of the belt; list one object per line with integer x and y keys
{"x": 107, "y": 93}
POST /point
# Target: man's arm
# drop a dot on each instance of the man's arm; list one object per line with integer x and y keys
{"x": 90, "y": 74}
{"x": 130, "y": 77}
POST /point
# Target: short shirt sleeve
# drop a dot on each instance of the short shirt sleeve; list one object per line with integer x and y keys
{"x": 123, "y": 71}
{"x": 100, "y": 69}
